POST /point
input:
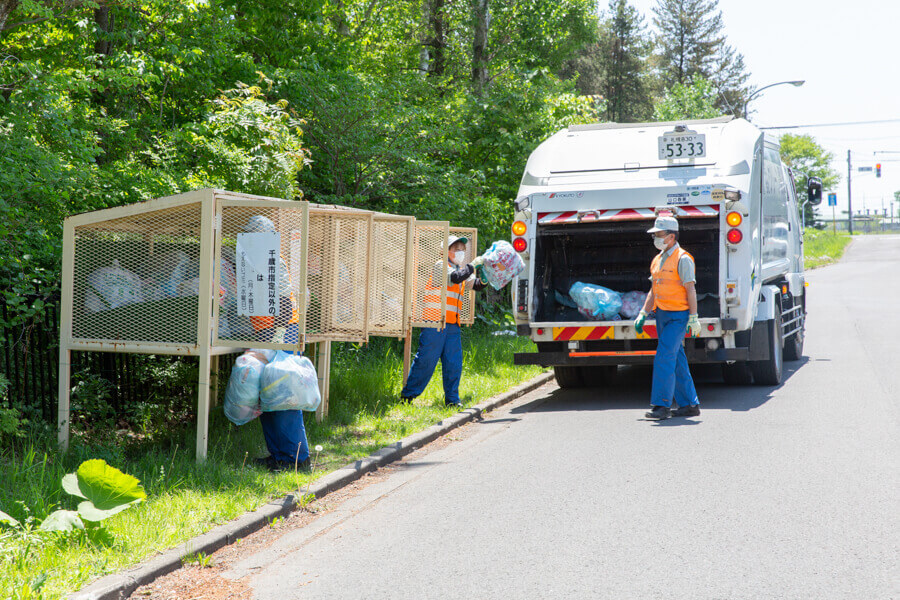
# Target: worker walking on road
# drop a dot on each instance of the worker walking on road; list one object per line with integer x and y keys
{"x": 674, "y": 296}
{"x": 443, "y": 344}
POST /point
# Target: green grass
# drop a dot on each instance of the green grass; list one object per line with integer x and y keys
{"x": 823, "y": 247}
{"x": 186, "y": 499}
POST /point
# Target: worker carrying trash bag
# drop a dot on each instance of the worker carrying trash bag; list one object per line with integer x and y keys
{"x": 283, "y": 430}
{"x": 444, "y": 344}
{"x": 674, "y": 296}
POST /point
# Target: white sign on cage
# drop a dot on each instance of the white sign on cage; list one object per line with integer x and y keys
{"x": 258, "y": 274}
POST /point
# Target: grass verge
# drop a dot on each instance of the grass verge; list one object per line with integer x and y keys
{"x": 186, "y": 499}
{"x": 822, "y": 247}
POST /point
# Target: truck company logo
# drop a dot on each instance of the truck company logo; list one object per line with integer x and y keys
{"x": 567, "y": 195}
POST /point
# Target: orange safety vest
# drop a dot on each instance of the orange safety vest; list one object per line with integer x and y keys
{"x": 668, "y": 290}
{"x": 432, "y": 301}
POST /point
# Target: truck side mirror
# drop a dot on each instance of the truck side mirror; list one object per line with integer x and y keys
{"x": 814, "y": 190}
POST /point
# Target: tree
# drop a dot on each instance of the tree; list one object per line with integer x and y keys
{"x": 624, "y": 47}
{"x": 806, "y": 158}
{"x": 695, "y": 99}
{"x": 691, "y": 42}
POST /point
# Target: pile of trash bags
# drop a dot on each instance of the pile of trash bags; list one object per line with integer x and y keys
{"x": 111, "y": 287}
{"x": 268, "y": 381}
{"x": 599, "y": 303}
{"x": 501, "y": 264}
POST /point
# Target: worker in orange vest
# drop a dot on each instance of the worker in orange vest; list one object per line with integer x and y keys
{"x": 674, "y": 295}
{"x": 443, "y": 344}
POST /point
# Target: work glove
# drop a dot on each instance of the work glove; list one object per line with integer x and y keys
{"x": 477, "y": 261}
{"x": 639, "y": 322}
{"x": 694, "y": 325}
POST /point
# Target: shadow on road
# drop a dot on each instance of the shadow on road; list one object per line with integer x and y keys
{"x": 630, "y": 390}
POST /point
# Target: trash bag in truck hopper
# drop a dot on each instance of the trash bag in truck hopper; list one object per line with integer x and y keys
{"x": 596, "y": 302}
{"x": 501, "y": 264}
{"x": 632, "y": 303}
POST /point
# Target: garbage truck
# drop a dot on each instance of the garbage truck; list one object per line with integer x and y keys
{"x": 587, "y": 197}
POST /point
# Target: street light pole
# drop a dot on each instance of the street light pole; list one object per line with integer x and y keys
{"x": 797, "y": 83}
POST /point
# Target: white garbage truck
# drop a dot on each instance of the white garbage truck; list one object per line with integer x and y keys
{"x": 586, "y": 200}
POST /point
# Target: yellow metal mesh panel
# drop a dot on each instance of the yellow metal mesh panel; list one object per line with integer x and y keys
{"x": 338, "y": 275}
{"x": 388, "y": 299}
{"x": 136, "y": 278}
{"x": 429, "y": 257}
{"x": 245, "y": 316}
{"x": 467, "y": 310}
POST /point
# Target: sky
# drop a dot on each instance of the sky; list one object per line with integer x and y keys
{"x": 849, "y": 55}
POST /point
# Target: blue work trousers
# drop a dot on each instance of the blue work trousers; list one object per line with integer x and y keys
{"x": 671, "y": 377}
{"x": 285, "y": 434}
{"x": 444, "y": 345}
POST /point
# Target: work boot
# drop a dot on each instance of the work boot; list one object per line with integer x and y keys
{"x": 691, "y": 410}
{"x": 659, "y": 413}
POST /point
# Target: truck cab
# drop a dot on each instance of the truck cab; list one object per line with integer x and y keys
{"x": 587, "y": 197}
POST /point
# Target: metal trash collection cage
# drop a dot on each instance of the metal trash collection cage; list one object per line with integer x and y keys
{"x": 178, "y": 275}
{"x": 141, "y": 279}
{"x": 467, "y": 308}
{"x": 429, "y": 260}
{"x": 391, "y": 275}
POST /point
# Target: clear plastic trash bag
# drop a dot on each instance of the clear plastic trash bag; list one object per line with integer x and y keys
{"x": 289, "y": 382}
{"x": 112, "y": 287}
{"x": 501, "y": 264}
{"x": 596, "y": 302}
{"x": 242, "y": 393}
{"x": 632, "y": 303}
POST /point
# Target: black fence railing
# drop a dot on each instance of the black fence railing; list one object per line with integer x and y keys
{"x": 29, "y": 359}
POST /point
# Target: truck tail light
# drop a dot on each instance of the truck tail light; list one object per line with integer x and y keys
{"x": 734, "y": 236}
{"x": 519, "y": 228}
{"x": 519, "y": 244}
{"x": 734, "y": 219}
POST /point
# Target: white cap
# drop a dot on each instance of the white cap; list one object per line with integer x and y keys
{"x": 664, "y": 224}
{"x": 259, "y": 224}
{"x": 453, "y": 239}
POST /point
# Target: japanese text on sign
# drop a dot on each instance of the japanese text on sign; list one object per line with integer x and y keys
{"x": 258, "y": 274}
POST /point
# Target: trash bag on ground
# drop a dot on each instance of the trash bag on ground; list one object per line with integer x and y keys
{"x": 501, "y": 264}
{"x": 112, "y": 287}
{"x": 242, "y": 392}
{"x": 632, "y": 303}
{"x": 596, "y": 302}
{"x": 289, "y": 382}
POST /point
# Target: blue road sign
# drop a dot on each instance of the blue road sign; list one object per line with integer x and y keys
{"x": 832, "y": 199}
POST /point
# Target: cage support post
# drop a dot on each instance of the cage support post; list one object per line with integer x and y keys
{"x": 323, "y": 358}
{"x": 204, "y": 322}
{"x": 407, "y": 354}
{"x": 214, "y": 380}
{"x": 63, "y": 417}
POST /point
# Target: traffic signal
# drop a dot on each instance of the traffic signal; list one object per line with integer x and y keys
{"x": 877, "y": 169}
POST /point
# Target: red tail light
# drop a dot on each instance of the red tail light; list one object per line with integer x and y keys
{"x": 519, "y": 244}
{"x": 734, "y": 236}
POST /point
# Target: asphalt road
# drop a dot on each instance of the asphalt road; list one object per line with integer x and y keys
{"x": 789, "y": 492}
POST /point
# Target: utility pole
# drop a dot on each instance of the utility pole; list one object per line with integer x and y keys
{"x": 849, "y": 201}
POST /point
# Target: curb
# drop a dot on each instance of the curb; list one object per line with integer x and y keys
{"x": 119, "y": 586}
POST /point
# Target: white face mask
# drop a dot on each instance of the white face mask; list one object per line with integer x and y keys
{"x": 459, "y": 257}
{"x": 659, "y": 242}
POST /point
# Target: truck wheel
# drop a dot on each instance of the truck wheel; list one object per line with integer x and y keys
{"x": 599, "y": 375}
{"x": 768, "y": 372}
{"x": 737, "y": 373}
{"x": 568, "y": 377}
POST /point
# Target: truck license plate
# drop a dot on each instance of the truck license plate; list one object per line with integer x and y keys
{"x": 682, "y": 145}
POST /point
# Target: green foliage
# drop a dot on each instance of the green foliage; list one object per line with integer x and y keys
{"x": 694, "y": 100}
{"x": 626, "y": 46}
{"x": 822, "y": 248}
{"x": 105, "y": 490}
{"x": 11, "y": 423}
{"x": 691, "y": 43}
{"x": 806, "y": 158}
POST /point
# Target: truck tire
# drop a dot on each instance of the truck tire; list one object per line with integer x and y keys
{"x": 769, "y": 371}
{"x": 568, "y": 377}
{"x": 598, "y": 376}
{"x": 737, "y": 373}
